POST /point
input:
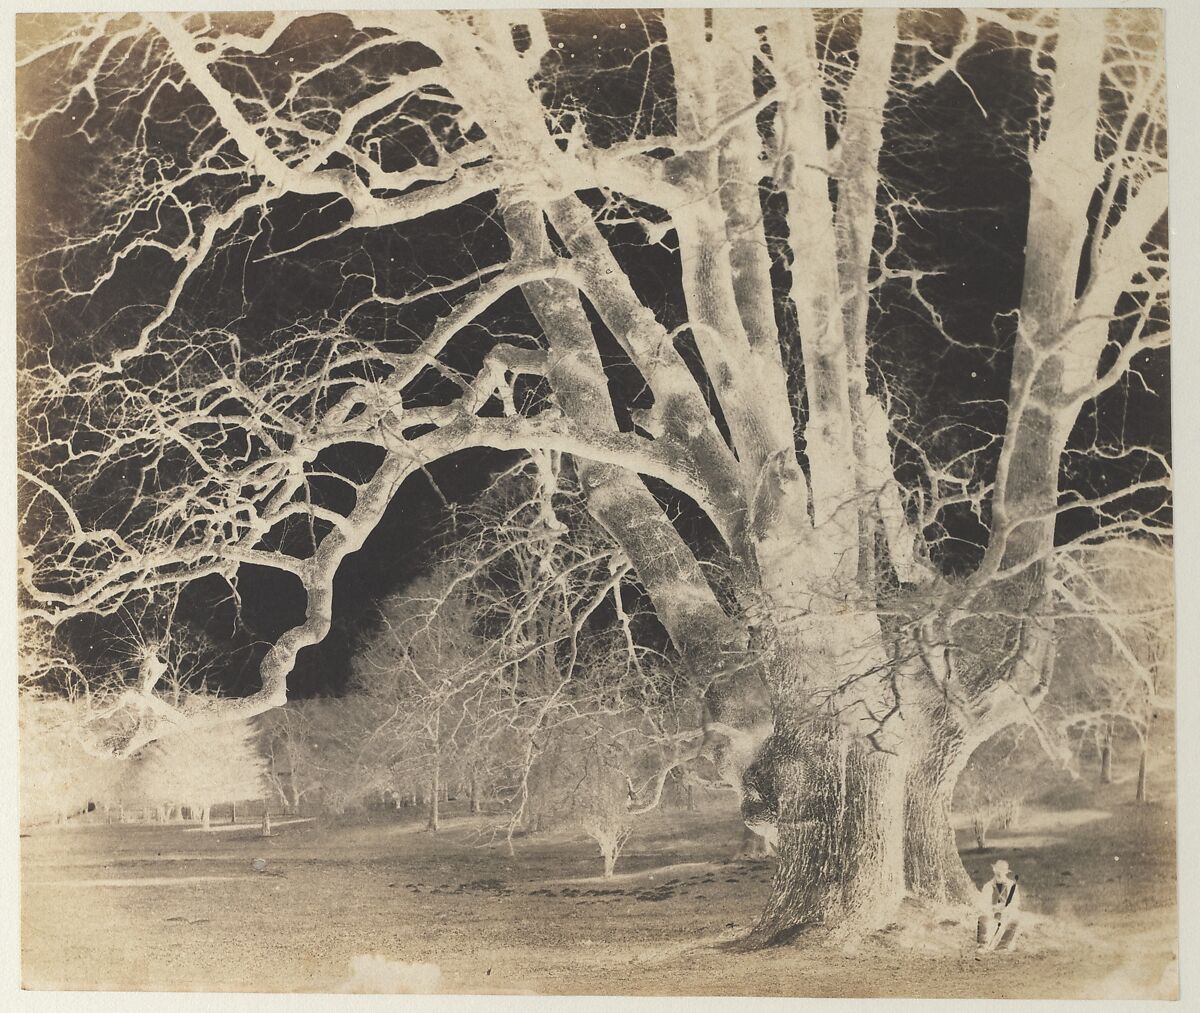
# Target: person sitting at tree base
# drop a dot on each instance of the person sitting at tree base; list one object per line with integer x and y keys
{"x": 1000, "y": 922}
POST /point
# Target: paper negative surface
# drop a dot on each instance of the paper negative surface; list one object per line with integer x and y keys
{"x": 596, "y": 502}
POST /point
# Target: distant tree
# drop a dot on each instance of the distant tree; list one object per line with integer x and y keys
{"x": 198, "y": 768}
{"x": 605, "y": 760}
{"x": 289, "y": 741}
{"x": 582, "y": 781}
{"x": 63, "y": 766}
{"x": 421, "y": 669}
{"x": 58, "y": 776}
{"x": 1114, "y": 652}
{"x": 337, "y": 761}
{"x": 571, "y": 640}
{"x": 1000, "y": 775}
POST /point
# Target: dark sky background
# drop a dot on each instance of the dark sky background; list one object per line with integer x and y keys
{"x": 967, "y": 172}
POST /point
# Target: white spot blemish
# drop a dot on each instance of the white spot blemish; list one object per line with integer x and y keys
{"x": 372, "y": 973}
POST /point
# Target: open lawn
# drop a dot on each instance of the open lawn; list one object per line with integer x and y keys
{"x": 148, "y": 907}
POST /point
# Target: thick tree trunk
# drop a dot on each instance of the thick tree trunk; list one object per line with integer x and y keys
{"x": 1142, "y": 795}
{"x": 204, "y": 817}
{"x": 858, "y": 826}
{"x": 933, "y": 870}
{"x": 840, "y": 832}
{"x": 1045, "y": 368}
{"x": 476, "y": 806}
{"x": 1106, "y": 754}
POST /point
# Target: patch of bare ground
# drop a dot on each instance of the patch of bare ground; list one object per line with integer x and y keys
{"x": 1101, "y": 894}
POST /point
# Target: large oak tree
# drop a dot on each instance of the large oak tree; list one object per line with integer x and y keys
{"x": 731, "y": 264}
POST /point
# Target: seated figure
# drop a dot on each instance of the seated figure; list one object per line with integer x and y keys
{"x": 1000, "y": 907}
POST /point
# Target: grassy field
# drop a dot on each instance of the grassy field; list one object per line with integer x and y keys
{"x": 167, "y": 908}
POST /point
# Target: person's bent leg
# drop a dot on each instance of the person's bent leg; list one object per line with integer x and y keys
{"x": 984, "y": 929}
{"x": 1011, "y": 935}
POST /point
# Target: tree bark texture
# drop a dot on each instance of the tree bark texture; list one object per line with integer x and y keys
{"x": 840, "y": 831}
{"x": 933, "y": 870}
